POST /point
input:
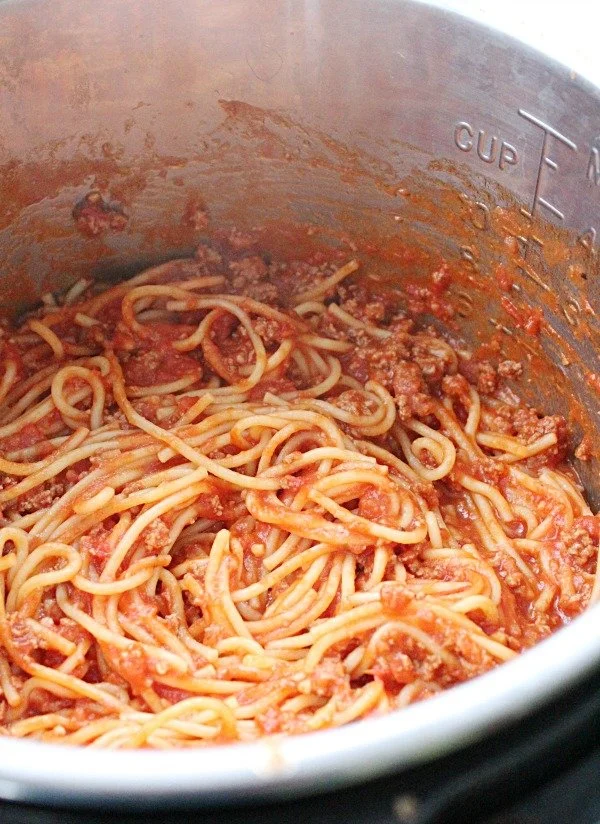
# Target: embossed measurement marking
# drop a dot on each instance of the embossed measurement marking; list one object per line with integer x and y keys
{"x": 489, "y": 148}
{"x": 545, "y": 160}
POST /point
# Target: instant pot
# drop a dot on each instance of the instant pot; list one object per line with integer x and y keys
{"x": 394, "y": 128}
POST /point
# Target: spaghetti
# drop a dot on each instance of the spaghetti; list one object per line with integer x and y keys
{"x": 242, "y": 498}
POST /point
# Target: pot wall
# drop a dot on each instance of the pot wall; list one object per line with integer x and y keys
{"x": 415, "y": 133}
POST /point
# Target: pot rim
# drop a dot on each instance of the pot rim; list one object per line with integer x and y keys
{"x": 55, "y": 774}
{"x": 310, "y": 762}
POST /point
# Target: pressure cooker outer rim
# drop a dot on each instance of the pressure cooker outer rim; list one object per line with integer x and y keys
{"x": 305, "y": 764}
{"x": 53, "y": 774}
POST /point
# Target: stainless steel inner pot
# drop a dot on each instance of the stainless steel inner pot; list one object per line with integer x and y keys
{"x": 385, "y": 120}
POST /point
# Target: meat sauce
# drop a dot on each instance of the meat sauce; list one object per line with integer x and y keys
{"x": 420, "y": 366}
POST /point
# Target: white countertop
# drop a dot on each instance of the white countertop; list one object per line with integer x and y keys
{"x": 567, "y": 30}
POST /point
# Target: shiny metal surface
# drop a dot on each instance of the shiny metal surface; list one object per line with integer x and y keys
{"x": 352, "y": 114}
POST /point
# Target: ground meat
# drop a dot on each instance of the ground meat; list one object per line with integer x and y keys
{"x": 484, "y": 469}
{"x": 433, "y": 362}
{"x": 275, "y": 282}
{"x": 299, "y": 275}
{"x": 241, "y": 239}
{"x": 133, "y": 665}
{"x": 481, "y": 373}
{"x": 156, "y": 366}
{"x": 585, "y": 449}
{"x": 95, "y": 216}
{"x": 418, "y": 366}
{"x": 397, "y": 647}
{"x": 155, "y": 537}
{"x": 410, "y": 391}
{"x": 394, "y": 667}
{"x": 355, "y": 402}
{"x": 207, "y": 256}
{"x": 230, "y": 353}
{"x": 275, "y": 721}
{"x": 441, "y": 279}
{"x": 265, "y": 291}
{"x": 330, "y": 327}
{"x": 362, "y": 304}
{"x": 273, "y": 332}
{"x": 529, "y": 427}
{"x": 457, "y": 386}
{"x": 498, "y": 418}
{"x": 97, "y": 546}
{"x": 329, "y": 677}
{"x": 395, "y": 599}
{"x": 378, "y": 360}
{"x": 430, "y": 299}
{"x": 247, "y": 271}
{"x": 509, "y": 572}
{"x": 40, "y": 497}
{"x": 373, "y": 310}
{"x": 580, "y": 544}
{"x": 510, "y": 369}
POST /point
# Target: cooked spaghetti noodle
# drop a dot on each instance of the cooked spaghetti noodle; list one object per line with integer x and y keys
{"x": 241, "y": 499}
